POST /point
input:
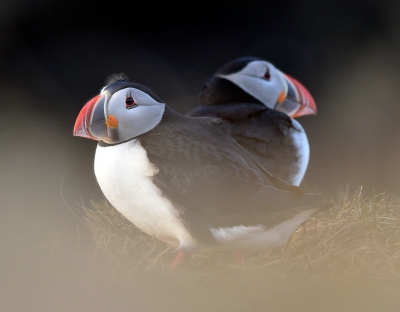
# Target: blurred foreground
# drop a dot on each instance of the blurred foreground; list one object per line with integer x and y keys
{"x": 344, "y": 260}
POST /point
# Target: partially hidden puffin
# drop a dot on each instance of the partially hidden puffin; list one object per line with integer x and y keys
{"x": 260, "y": 103}
{"x": 185, "y": 180}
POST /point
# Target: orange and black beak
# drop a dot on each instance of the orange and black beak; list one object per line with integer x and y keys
{"x": 84, "y": 121}
{"x": 298, "y": 101}
{"x": 93, "y": 121}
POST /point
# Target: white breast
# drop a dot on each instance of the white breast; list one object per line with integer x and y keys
{"x": 303, "y": 152}
{"x": 124, "y": 174}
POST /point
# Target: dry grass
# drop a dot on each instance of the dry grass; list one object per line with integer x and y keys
{"x": 358, "y": 237}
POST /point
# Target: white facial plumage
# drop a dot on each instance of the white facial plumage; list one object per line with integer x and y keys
{"x": 252, "y": 79}
{"x": 136, "y": 119}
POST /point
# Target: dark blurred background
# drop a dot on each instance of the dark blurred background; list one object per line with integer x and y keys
{"x": 56, "y": 55}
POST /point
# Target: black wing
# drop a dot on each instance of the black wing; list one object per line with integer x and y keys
{"x": 262, "y": 131}
{"x": 200, "y": 164}
{"x": 202, "y": 167}
{"x": 214, "y": 180}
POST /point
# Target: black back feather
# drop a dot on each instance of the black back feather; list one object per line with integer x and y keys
{"x": 120, "y": 77}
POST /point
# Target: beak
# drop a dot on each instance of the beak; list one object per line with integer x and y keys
{"x": 298, "y": 101}
{"x": 90, "y": 122}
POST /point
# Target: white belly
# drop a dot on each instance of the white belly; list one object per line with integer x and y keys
{"x": 303, "y": 152}
{"x": 124, "y": 174}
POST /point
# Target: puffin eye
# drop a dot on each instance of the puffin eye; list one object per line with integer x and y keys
{"x": 267, "y": 75}
{"x": 129, "y": 101}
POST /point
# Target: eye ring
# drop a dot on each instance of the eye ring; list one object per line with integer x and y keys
{"x": 267, "y": 74}
{"x": 129, "y": 101}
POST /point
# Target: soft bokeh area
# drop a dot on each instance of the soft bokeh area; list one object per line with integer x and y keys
{"x": 56, "y": 55}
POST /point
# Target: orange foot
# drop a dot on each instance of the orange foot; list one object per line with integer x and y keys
{"x": 239, "y": 257}
{"x": 180, "y": 256}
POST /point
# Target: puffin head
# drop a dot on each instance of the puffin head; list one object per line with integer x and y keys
{"x": 251, "y": 79}
{"x": 122, "y": 111}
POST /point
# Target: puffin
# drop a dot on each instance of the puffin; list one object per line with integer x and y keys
{"x": 260, "y": 103}
{"x": 185, "y": 180}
